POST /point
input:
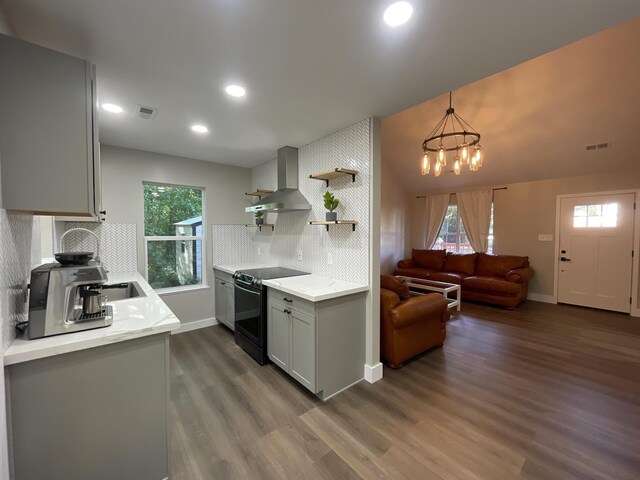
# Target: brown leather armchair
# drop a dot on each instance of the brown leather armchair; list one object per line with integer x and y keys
{"x": 409, "y": 324}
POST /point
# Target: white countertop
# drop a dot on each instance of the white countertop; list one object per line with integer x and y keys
{"x": 234, "y": 267}
{"x": 314, "y": 287}
{"x": 132, "y": 318}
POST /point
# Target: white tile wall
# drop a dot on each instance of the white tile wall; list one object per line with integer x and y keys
{"x": 16, "y": 238}
{"x": 230, "y": 244}
{"x": 347, "y": 148}
{"x": 118, "y": 247}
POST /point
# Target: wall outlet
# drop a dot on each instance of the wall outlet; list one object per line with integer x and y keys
{"x": 299, "y": 255}
{"x": 259, "y": 251}
{"x": 545, "y": 237}
{"x": 329, "y": 259}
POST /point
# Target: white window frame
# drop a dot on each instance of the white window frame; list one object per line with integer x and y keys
{"x": 184, "y": 288}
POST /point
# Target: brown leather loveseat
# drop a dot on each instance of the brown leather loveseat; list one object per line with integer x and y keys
{"x": 409, "y": 324}
{"x": 496, "y": 279}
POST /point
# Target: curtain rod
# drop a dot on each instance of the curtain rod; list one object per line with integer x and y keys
{"x": 453, "y": 193}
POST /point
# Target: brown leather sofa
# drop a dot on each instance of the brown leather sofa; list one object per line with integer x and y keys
{"x": 409, "y": 324}
{"x": 495, "y": 279}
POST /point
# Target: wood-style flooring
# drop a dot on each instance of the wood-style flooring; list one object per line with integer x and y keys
{"x": 544, "y": 392}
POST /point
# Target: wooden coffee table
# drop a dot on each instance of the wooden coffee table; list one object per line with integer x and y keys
{"x": 420, "y": 286}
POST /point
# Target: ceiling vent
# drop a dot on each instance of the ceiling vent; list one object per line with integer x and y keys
{"x": 146, "y": 113}
{"x": 598, "y": 146}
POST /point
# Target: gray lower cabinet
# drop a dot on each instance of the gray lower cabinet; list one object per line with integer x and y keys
{"x": 322, "y": 344}
{"x": 224, "y": 298}
{"x": 98, "y": 414}
{"x": 49, "y": 151}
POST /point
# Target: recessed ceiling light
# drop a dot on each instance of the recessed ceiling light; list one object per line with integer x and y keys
{"x": 398, "y": 13}
{"x": 235, "y": 90}
{"x": 112, "y": 107}
{"x": 199, "y": 128}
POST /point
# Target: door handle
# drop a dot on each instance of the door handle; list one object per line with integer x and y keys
{"x": 565, "y": 259}
{"x": 288, "y": 300}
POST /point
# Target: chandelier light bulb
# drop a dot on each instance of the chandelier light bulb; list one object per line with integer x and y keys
{"x": 437, "y": 169}
{"x": 425, "y": 164}
{"x": 456, "y": 166}
{"x": 479, "y": 155}
{"x": 441, "y": 155}
{"x": 465, "y": 153}
{"x": 473, "y": 164}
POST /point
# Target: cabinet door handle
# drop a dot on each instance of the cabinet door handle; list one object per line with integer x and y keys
{"x": 223, "y": 283}
{"x": 287, "y": 311}
{"x": 288, "y": 300}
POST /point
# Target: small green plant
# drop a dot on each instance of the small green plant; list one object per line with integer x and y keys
{"x": 259, "y": 214}
{"x": 330, "y": 202}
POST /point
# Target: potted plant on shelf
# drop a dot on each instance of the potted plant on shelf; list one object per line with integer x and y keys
{"x": 259, "y": 219}
{"x": 331, "y": 203}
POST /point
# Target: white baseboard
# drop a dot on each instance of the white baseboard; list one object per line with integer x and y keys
{"x": 537, "y": 297}
{"x": 189, "y": 326}
{"x": 373, "y": 373}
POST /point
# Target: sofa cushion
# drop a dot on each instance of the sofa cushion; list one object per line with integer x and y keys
{"x": 396, "y": 285}
{"x": 415, "y": 272}
{"x": 498, "y": 265}
{"x": 448, "y": 277}
{"x": 433, "y": 259}
{"x": 456, "y": 263}
{"x": 491, "y": 285}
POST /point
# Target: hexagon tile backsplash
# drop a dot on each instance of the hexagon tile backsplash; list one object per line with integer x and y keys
{"x": 16, "y": 238}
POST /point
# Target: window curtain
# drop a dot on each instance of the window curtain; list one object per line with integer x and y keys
{"x": 475, "y": 212}
{"x": 435, "y": 208}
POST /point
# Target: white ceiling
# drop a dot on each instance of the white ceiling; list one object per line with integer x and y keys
{"x": 310, "y": 66}
{"x": 536, "y": 118}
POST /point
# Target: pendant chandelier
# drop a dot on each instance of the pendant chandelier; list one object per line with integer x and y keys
{"x": 451, "y": 134}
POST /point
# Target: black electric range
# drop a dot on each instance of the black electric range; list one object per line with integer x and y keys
{"x": 251, "y": 308}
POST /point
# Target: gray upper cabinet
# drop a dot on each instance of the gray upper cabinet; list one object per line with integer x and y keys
{"x": 49, "y": 152}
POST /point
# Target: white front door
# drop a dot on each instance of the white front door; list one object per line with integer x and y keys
{"x": 596, "y": 242}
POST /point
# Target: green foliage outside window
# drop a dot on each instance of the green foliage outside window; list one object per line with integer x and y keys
{"x": 164, "y": 207}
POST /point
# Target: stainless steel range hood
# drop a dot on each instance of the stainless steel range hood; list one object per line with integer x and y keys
{"x": 287, "y": 198}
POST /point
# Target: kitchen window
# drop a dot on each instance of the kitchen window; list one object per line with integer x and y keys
{"x": 452, "y": 236}
{"x": 174, "y": 235}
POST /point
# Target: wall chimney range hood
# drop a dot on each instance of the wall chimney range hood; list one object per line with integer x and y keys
{"x": 287, "y": 198}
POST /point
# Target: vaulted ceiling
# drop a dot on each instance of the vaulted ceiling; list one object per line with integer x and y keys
{"x": 537, "y": 118}
{"x": 309, "y": 67}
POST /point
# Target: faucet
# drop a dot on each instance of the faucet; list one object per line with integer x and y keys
{"x": 97, "y": 257}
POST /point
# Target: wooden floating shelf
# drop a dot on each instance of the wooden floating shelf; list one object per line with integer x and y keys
{"x": 353, "y": 224}
{"x": 253, "y": 225}
{"x": 259, "y": 193}
{"x": 335, "y": 173}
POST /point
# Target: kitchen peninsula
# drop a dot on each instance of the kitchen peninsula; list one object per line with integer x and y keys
{"x": 80, "y": 401}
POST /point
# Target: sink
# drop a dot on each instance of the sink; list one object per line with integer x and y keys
{"x": 132, "y": 290}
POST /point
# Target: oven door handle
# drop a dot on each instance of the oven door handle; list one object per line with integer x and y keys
{"x": 252, "y": 292}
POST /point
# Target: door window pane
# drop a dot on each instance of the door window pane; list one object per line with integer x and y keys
{"x": 595, "y": 216}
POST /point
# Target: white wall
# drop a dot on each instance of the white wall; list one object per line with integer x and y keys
{"x": 124, "y": 170}
{"x": 395, "y": 221}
